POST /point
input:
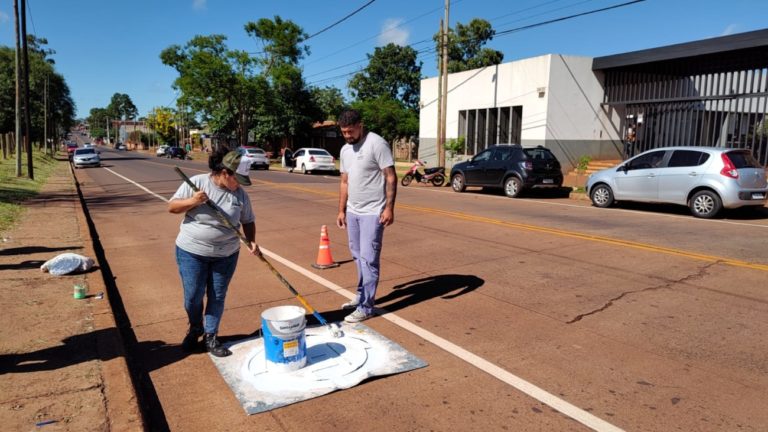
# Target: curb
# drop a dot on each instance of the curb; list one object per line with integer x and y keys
{"x": 122, "y": 404}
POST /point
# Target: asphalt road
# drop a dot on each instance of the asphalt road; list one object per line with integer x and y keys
{"x": 539, "y": 313}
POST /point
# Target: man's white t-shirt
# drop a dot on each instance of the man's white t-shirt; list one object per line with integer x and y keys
{"x": 363, "y": 162}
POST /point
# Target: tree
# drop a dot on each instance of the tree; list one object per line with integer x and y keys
{"x": 219, "y": 84}
{"x": 61, "y": 107}
{"x": 162, "y": 121}
{"x": 121, "y": 106}
{"x": 290, "y": 109}
{"x": 392, "y": 72}
{"x": 465, "y": 46}
{"x": 388, "y": 118}
{"x": 329, "y": 100}
{"x": 97, "y": 122}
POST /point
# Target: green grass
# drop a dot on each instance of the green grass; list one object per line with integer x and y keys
{"x": 15, "y": 190}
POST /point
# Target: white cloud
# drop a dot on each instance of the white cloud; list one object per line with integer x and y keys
{"x": 731, "y": 29}
{"x": 199, "y": 4}
{"x": 392, "y": 33}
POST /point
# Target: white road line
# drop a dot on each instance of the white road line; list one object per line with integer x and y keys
{"x": 520, "y": 384}
{"x": 138, "y": 185}
{"x": 503, "y": 375}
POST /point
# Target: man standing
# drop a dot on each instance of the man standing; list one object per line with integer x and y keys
{"x": 366, "y": 205}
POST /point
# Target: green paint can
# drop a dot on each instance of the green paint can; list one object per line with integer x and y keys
{"x": 80, "y": 291}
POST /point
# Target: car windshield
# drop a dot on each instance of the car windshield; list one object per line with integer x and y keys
{"x": 319, "y": 153}
{"x": 85, "y": 151}
{"x": 254, "y": 151}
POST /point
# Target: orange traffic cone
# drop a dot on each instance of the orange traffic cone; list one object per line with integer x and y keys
{"x": 324, "y": 259}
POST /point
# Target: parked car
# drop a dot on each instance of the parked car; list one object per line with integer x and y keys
{"x": 176, "y": 153}
{"x": 87, "y": 156}
{"x": 509, "y": 166}
{"x": 313, "y": 159}
{"x": 255, "y": 156}
{"x": 706, "y": 179}
{"x": 162, "y": 149}
{"x": 71, "y": 147}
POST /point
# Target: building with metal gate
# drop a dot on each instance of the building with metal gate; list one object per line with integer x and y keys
{"x": 706, "y": 93}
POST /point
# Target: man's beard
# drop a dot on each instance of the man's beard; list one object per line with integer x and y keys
{"x": 356, "y": 140}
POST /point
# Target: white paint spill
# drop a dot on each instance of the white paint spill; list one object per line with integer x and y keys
{"x": 332, "y": 364}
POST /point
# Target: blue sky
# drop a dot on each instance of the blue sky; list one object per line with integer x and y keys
{"x": 105, "y": 47}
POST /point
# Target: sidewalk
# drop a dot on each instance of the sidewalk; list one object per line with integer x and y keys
{"x": 61, "y": 360}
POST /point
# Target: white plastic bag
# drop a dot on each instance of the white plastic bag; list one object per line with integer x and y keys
{"x": 67, "y": 263}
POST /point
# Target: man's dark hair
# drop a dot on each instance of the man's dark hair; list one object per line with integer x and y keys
{"x": 349, "y": 118}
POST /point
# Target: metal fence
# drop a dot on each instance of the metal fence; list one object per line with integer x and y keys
{"x": 696, "y": 104}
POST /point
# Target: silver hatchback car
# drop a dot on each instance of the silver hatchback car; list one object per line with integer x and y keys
{"x": 706, "y": 179}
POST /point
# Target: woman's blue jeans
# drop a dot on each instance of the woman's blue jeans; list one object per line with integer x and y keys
{"x": 205, "y": 276}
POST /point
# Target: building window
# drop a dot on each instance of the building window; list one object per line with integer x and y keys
{"x": 483, "y": 127}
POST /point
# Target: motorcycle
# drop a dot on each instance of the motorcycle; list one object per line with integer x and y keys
{"x": 436, "y": 175}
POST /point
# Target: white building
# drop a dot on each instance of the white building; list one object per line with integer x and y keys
{"x": 550, "y": 100}
{"x": 711, "y": 92}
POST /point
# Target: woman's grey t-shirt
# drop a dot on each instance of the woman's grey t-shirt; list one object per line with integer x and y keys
{"x": 363, "y": 162}
{"x": 202, "y": 233}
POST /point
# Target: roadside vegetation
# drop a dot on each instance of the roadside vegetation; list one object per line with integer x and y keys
{"x": 15, "y": 190}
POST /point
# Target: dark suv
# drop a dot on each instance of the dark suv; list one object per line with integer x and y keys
{"x": 175, "y": 153}
{"x": 510, "y": 167}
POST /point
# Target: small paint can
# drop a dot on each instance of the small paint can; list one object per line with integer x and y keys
{"x": 285, "y": 344}
{"x": 79, "y": 292}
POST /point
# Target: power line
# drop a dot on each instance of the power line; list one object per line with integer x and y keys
{"x": 341, "y": 20}
{"x": 501, "y": 33}
{"x": 381, "y": 33}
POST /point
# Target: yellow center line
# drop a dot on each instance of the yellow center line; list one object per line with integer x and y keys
{"x": 555, "y": 231}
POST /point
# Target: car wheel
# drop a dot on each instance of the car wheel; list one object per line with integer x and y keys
{"x": 512, "y": 187}
{"x": 304, "y": 169}
{"x": 457, "y": 183}
{"x": 601, "y": 196}
{"x": 705, "y": 204}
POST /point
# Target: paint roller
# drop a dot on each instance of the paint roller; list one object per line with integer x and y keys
{"x": 333, "y": 328}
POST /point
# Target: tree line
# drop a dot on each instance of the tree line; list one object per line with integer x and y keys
{"x": 44, "y": 83}
{"x": 263, "y": 95}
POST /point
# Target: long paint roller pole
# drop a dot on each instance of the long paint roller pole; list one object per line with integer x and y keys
{"x": 223, "y": 218}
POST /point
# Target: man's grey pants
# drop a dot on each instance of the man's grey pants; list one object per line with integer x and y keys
{"x": 365, "y": 235}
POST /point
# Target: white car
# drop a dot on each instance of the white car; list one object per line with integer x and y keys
{"x": 84, "y": 157}
{"x": 308, "y": 160}
{"x": 161, "y": 150}
{"x": 255, "y": 156}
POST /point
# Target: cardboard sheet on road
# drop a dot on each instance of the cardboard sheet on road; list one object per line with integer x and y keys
{"x": 332, "y": 364}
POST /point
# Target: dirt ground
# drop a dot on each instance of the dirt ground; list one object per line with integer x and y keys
{"x": 62, "y": 365}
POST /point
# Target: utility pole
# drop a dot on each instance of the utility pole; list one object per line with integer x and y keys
{"x": 45, "y": 114}
{"x": 27, "y": 110}
{"x": 444, "y": 101}
{"x": 17, "y": 135}
{"x": 440, "y": 61}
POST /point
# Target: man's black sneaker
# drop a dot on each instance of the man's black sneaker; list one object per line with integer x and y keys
{"x": 191, "y": 340}
{"x": 213, "y": 346}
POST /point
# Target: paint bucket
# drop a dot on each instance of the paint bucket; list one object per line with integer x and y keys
{"x": 285, "y": 345}
{"x": 79, "y": 291}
